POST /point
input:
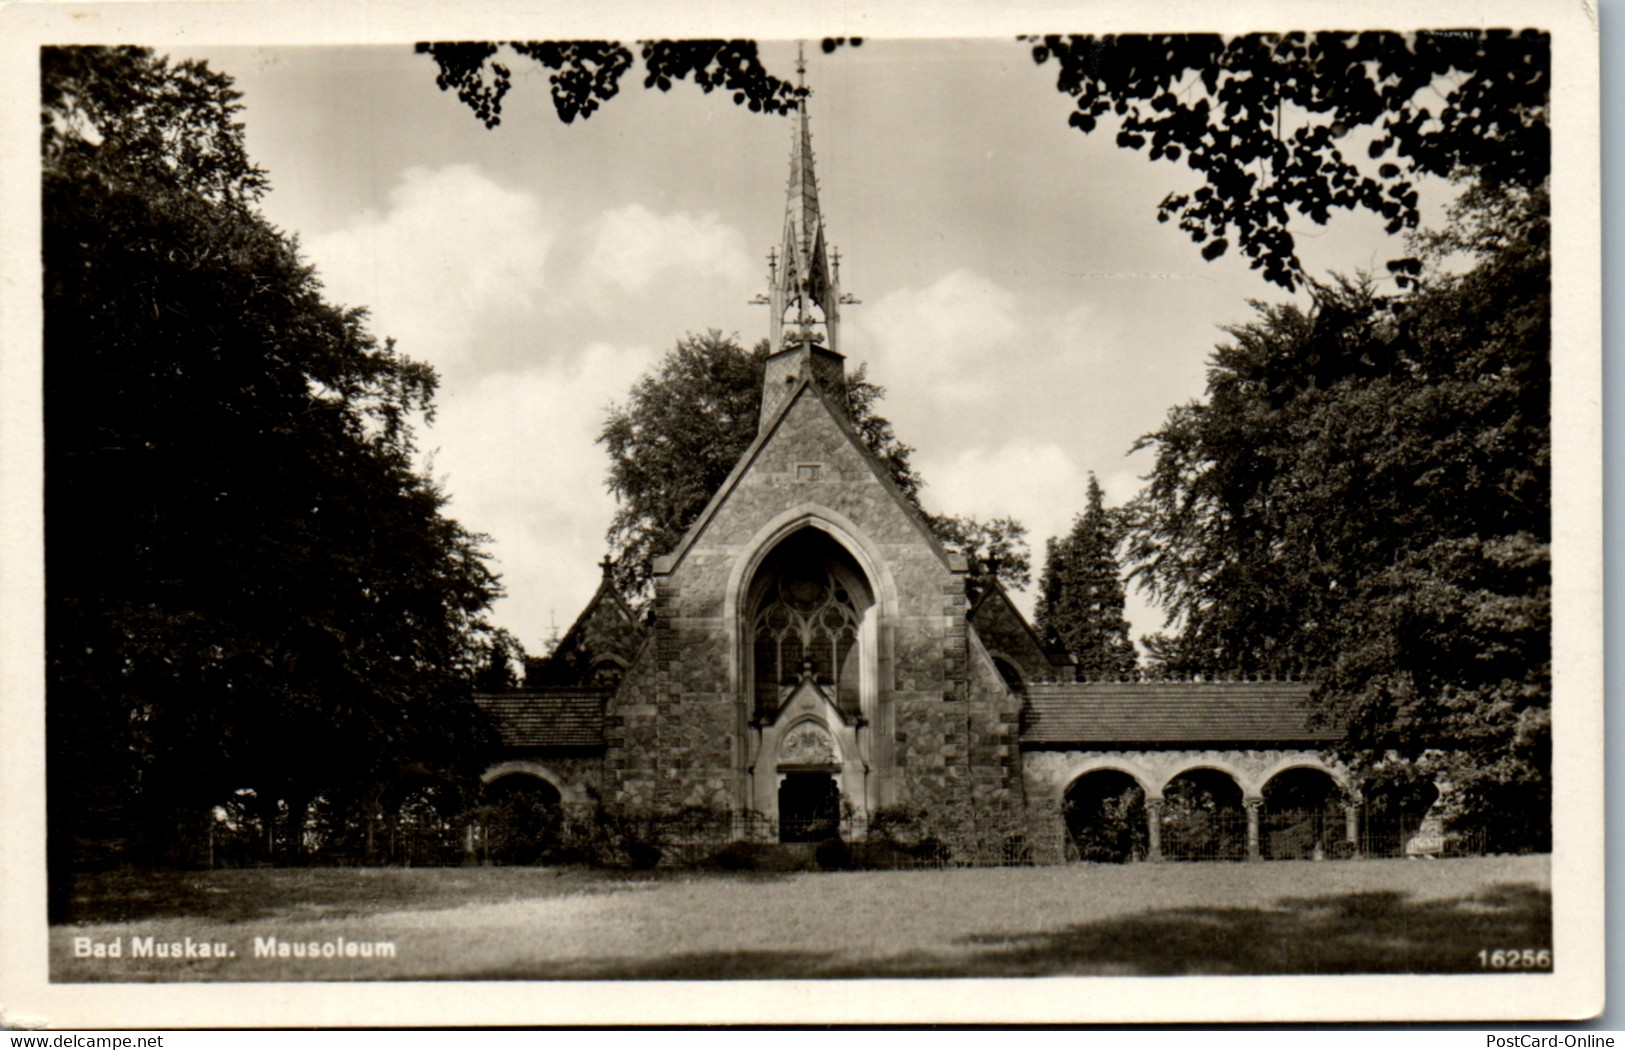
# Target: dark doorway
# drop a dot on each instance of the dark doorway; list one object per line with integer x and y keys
{"x": 1203, "y": 817}
{"x": 522, "y": 819}
{"x": 1105, "y": 815}
{"x": 1304, "y": 817}
{"x": 809, "y": 807}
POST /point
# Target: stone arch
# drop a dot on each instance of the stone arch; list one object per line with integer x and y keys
{"x": 1306, "y": 760}
{"x": 1106, "y": 816}
{"x": 1205, "y": 813}
{"x": 1304, "y": 814}
{"x": 789, "y": 740}
{"x": 524, "y": 767}
{"x": 1009, "y": 669}
{"x": 809, "y": 781}
{"x": 845, "y": 533}
{"x": 1148, "y": 781}
{"x": 607, "y": 670}
{"x": 521, "y": 818}
{"x": 1216, "y": 762}
{"x": 809, "y": 609}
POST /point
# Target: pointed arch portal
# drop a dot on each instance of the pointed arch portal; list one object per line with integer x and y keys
{"x": 807, "y": 607}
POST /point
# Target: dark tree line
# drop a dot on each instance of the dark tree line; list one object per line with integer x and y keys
{"x": 1365, "y": 497}
{"x": 249, "y": 584}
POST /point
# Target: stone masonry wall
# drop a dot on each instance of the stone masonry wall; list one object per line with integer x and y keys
{"x": 704, "y": 731}
{"x": 631, "y": 736}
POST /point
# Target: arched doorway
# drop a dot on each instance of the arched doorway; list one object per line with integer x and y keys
{"x": 520, "y": 819}
{"x": 809, "y": 806}
{"x": 809, "y": 770}
{"x": 807, "y": 616}
{"x": 1304, "y": 817}
{"x": 1105, "y": 817}
{"x": 1203, "y": 817}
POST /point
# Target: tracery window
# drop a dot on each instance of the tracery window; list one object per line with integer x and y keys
{"x": 807, "y": 615}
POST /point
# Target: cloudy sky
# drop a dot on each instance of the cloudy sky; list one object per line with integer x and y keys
{"x": 1025, "y": 311}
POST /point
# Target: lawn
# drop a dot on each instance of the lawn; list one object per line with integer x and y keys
{"x": 1298, "y": 917}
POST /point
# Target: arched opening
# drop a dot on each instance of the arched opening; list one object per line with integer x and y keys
{"x": 1105, "y": 817}
{"x": 809, "y": 806}
{"x": 806, "y": 616}
{"x": 520, "y": 819}
{"x": 1203, "y": 817}
{"x": 1305, "y": 816}
{"x": 607, "y": 672}
{"x": 1397, "y": 798}
{"x": 422, "y": 826}
{"x": 809, "y": 798}
{"x": 1009, "y": 672}
{"x": 335, "y": 827}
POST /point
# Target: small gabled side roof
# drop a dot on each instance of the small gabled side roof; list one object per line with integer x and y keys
{"x": 804, "y": 385}
{"x": 995, "y": 600}
{"x": 607, "y": 593}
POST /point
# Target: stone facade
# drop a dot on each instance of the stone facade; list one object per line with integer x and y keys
{"x": 810, "y": 655}
{"x": 806, "y": 481}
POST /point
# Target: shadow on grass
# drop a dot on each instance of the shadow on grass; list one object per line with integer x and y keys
{"x": 1376, "y": 932}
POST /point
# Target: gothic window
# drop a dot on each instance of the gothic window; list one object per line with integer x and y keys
{"x": 807, "y": 615}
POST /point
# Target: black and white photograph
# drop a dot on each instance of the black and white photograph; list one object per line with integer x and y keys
{"x": 800, "y": 518}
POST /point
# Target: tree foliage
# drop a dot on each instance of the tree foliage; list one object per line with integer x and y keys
{"x": 248, "y": 583}
{"x": 995, "y": 549}
{"x": 1275, "y": 125}
{"x": 587, "y": 73}
{"x": 1301, "y": 123}
{"x": 1366, "y": 495}
{"x": 1080, "y": 599}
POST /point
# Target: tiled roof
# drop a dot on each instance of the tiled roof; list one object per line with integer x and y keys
{"x": 1161, "y": 713}
{"x": 547, "y": 718}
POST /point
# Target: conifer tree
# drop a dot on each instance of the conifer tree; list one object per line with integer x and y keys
{"x": 1080, "y": 602}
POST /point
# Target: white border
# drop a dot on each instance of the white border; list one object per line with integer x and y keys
{"x": 26, "y": 998}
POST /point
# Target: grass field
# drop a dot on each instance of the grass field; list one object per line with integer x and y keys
{"x": 1380, "y": 916}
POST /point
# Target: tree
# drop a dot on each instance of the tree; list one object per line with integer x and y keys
{"x": 587, "y": 73}
{"x": 249, "y": 586}
{"x": 1366, "y": 496}
{"x": 1272, "y": 123}
{"x": 1265, "y": 120}
{"x": 994, "y": 549}
{"x": 1080, "y": 601}
{"x": 684, "y": 427}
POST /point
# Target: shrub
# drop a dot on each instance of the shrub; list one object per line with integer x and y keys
{"x": 642, "y": 856}
{"x": 833, "y": 854}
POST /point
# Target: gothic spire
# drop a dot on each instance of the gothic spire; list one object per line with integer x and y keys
{"x": 804, "y": 286}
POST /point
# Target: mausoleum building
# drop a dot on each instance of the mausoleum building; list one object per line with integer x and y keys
{"x": 811, "y": 654}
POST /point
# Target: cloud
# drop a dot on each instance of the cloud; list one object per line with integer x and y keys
{"x": 518, "y": 450}
{"x": 632, "y": 249}
{"x": 454, "y": 255}
{"x": 946, "y": 333}
{"x": 1040, "y": 485}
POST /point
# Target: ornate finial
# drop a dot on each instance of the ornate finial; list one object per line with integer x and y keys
{"x": 607, "y": 566}
{"x": 801, "y": 68}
